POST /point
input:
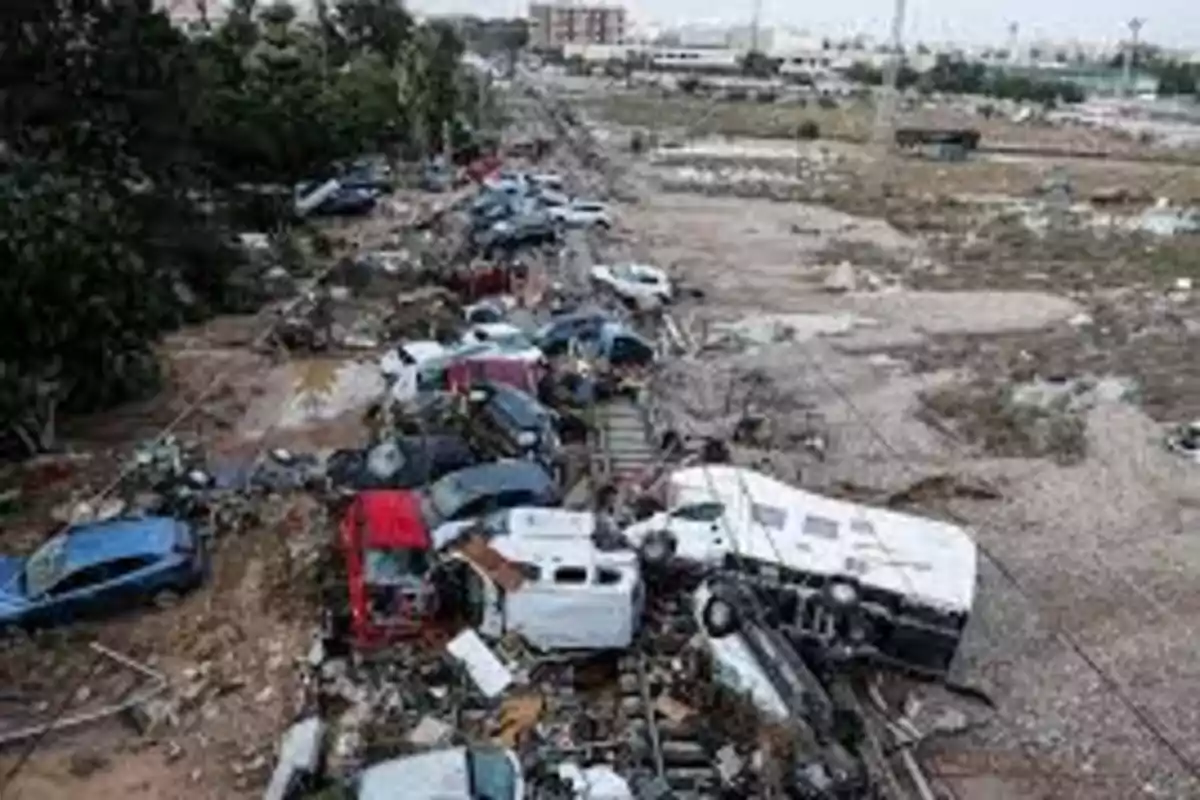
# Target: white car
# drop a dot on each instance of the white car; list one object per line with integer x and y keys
{"x": 581, "y": 214}
{"x": 450, "y": 774}
{"x": 504, "y": 339}
{"x": 413, "y": 367}
{"x": 546, "y": 180}
{"x": 635, "y": 282}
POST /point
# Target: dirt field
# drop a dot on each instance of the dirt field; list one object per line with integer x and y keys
{"x": 852, "y": 121}
{"x": 1089, "y": 571}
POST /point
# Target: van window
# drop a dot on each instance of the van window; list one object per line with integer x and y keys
{"x": 573, "y": 575}
{"x": 699, "y": 512}
{"x": 768, "y": 516}
{"x": 820, "y": 527}
{"x": 530, "y": 572}
{"x": 607, "y": 577}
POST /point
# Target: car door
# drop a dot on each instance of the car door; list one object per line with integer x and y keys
{"x": 700, "y": 531}
{"x": 89, "y": 591}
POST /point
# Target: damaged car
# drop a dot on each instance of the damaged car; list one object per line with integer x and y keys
{"x": 460, "y": 773}
{"x": 636, "y": 284}
{"x": 99, "y": 568}
{"x": 400, "y": 462}
{"x": 899, "y": 585}
{"x": 547, "y": 574}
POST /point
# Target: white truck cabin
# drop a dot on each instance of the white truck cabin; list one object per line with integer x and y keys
{"x": 570, "y": 595}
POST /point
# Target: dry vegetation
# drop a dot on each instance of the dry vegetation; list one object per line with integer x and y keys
{"x": 853, "y": 121}
{"x": 985, "y": 414}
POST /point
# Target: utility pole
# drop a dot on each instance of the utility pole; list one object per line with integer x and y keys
{"x": 885, "y": 109}
{"x": 1135, "y": 28}
{"x": 754, "y": 23}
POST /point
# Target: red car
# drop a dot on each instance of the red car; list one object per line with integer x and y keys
{"x": 472, "y": 282}
{"x": 518, "y": 373}
{"x": 482, "y": 168}
{"x": 386, "y": 546}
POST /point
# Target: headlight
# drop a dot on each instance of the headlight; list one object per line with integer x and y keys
{"x": 843, "y": 594}
{"x": 527, "y": 439}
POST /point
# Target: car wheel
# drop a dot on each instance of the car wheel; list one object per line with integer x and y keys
{"x": 167, "y": 598}
{"x": 658, "y": 548}
{"x": 720, "y": 617}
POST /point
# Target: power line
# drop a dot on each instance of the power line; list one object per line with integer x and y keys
{"x": 1114, "y": 686}
{"x": 64, "y": 704}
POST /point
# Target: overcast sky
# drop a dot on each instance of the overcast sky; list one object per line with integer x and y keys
{"x": 1171, "y": 22}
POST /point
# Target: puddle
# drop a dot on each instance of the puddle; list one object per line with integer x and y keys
{"x": 308, "y": 392}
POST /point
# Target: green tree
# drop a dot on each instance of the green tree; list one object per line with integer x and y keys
{"x": 103, "y": 242}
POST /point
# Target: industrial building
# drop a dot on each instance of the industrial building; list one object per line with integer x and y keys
{"x": 555, "y": 24}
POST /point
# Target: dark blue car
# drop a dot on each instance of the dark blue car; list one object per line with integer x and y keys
{"x": 99, "y": 568}
{"x": 555, "y": 337}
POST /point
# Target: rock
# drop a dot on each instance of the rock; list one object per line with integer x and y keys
{"x": 87, "y": 763}
{"x": 841, "y": 278}
{"x": 153, "y": 715}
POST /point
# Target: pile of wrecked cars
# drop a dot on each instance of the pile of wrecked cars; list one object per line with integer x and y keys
{"x": 478, "y": 551}
{"x": 461, "y": 531}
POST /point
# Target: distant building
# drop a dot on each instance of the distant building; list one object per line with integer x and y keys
{"x": 190, "y": 12}
{"x": 554, "y": 24}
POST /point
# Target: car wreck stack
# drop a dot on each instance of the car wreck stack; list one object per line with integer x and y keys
{"x": 532, "y": 585}
{"x": 656, "y": 637}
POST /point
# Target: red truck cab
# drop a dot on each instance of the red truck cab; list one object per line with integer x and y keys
{"x": 386, "y": 546}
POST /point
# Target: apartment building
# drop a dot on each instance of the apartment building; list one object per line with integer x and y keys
{"x": 554, "y": 24}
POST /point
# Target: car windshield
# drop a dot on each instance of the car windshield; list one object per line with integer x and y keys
{"x": 512, "y": 341}
{"x": 446, "y": 497}
{"x": 391, "y": 566}
{"x": 624, "y": 272}
{"x": 44, "y": 568}
{"x": 492, "y": 774}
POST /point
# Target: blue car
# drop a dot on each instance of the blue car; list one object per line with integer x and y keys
{"x": 555, "y": 337}
{"x": 99, "y": 568}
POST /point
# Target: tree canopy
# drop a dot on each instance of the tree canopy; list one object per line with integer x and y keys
{"x": 127, "y": 139}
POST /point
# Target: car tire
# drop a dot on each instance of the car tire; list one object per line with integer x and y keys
{"x": 658, "y": 548}
{"x": 166, "y": 599}
{"x": 720, "y": 617}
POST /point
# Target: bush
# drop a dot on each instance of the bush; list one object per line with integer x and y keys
{"x": 808, "y": 130}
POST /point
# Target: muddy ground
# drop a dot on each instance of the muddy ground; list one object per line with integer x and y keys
{"x": 229, "y": 652}
{"x": 926, "y": 342}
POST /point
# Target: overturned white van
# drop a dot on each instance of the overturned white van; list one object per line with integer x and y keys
{"x": 910, "y": 581}
{"x": 540, "y": 573}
